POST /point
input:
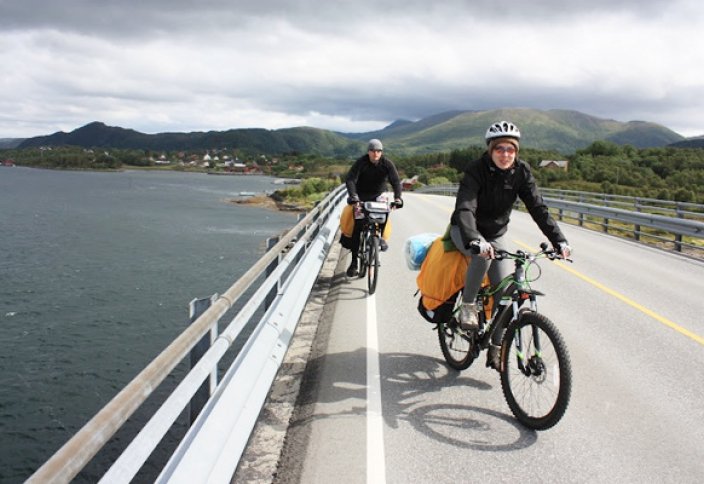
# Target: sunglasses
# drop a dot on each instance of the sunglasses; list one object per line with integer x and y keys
{"x": 505, "y": 149}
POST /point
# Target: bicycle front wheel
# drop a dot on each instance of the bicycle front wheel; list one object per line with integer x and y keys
{"x": 373, "y": 269}
{"x": 456, "y": 345}
{"x": 363, "y": 253}
{"x": 536, "y": 375}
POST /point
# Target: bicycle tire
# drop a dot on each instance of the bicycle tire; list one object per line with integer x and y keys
{"x": 363, "y": 243}
{"x": 457, "y": 349}
{"x": 373, "y": 269}
{"x": 538, "y": 400}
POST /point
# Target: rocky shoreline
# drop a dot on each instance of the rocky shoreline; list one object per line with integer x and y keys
{"x": 265, "y": 201}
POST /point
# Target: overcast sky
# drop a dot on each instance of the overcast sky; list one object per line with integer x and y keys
{"x": 178, "y": 65}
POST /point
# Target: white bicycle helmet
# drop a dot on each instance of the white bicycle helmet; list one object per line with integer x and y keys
{"x": 502, "y": 129}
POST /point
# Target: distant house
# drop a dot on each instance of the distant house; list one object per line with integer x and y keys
{"x": 554, "y": 164}
{"x": 407, "y": 183}
{"x": 8, "y": 162}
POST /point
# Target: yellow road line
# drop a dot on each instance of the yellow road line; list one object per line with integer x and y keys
{"x": 626, "y": 300}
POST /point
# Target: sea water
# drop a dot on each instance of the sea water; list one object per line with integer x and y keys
{"x": 96, "y": 273}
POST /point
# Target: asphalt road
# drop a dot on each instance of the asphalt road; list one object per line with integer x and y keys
{"x": 631, "y": 317}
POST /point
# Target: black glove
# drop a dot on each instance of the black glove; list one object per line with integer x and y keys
{"x": 398, "y": 203}
{"x": 352, "y": 200}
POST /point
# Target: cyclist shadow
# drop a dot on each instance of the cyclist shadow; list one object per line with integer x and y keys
{"x": 408, "y": 383}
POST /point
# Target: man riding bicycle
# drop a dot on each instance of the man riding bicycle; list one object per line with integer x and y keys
{"x": 366, "y": 181}
{"x": 485, "y": 198}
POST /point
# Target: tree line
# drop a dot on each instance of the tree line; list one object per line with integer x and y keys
{"x": 665, "y": 173}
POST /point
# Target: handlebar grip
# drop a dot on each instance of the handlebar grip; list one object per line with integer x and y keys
{"x": 475, "y": 247}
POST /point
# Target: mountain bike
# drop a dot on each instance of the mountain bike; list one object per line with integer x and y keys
{"x": 373, "y": 216}
{"x": 533, "y": 361}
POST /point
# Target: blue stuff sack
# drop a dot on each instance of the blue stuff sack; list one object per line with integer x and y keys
{"x": 416, "y": 248}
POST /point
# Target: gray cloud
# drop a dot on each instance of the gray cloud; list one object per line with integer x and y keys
{"x": 354, "y": 66}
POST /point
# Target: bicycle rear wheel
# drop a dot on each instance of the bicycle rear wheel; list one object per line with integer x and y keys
{"x": 373, "y": 269}
{"x": 456, "y": 345}
{"x": 536, "y": 375}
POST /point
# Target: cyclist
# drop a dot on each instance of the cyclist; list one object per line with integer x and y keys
{"x": 365, "y": 182}
{"x": 485, "y": 198}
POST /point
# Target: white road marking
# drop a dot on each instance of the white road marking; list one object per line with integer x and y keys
{"x": 376, "y": 466}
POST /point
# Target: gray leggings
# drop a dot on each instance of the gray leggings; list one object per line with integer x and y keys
{"x": 498, "y": 269}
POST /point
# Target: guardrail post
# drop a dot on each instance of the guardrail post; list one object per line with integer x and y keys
{"x": 301, "y": 216}
{"x": 269, "y": 299}
{"x": 195, "y": 309}
{"x": 678, "y": 237}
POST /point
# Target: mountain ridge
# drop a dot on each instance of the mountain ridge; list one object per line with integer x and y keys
{"x": 563, "y": 131}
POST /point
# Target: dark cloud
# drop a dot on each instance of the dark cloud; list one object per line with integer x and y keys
{"x": 159, "y": 65}
{"x": 146, "y": 17}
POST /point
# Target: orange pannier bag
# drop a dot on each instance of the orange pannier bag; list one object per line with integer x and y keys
{"x": 347, "y": 223}
{"x": 442, "y": 275}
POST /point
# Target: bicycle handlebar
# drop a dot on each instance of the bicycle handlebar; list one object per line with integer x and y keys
{"x": 394, "y": 204}
{"x": 549, "y": 252}
{"x": 552, "y": 253}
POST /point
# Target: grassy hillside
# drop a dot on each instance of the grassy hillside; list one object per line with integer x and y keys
{"x": 558, "y": 130}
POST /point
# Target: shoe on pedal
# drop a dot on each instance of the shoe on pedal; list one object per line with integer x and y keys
{"x": 383, "y": 245}
{"x": 493, "y": 357}
{"x": 352, "y": 270}
{"x": 469, "y": 316}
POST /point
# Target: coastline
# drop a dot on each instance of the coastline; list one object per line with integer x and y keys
{"x": 266, "y": 201}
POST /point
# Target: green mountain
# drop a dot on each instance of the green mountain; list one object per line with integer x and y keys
{"x": 696, "y": 142}
{"x": 561, "y": 130}
{"x": 255, "y": 141}
{"x": 10, "y": 143}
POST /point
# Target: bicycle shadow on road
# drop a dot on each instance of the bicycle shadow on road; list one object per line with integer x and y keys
{"x": 411, "y": 386}
{"x": 415, "y": 383}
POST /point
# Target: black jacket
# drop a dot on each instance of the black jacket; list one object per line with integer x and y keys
{"x": 367, "y": 180}
{"x": 486, "y": 196}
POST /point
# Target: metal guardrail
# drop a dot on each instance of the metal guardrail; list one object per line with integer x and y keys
{"x": 639, "y": 204}
{"x": 646, "y": 213}
{"x": 298, "y": 257}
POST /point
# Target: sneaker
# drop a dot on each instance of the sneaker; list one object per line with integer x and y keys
{"x": 469, "y": 316}
{"x": 352, "y": 269}
{"x": 383, "y": 245}
{"x": 493, "y": 357}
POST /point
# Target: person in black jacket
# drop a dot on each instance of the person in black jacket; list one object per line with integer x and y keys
{"x": 485, "y": 198}
{"x": 366, "y": 181}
